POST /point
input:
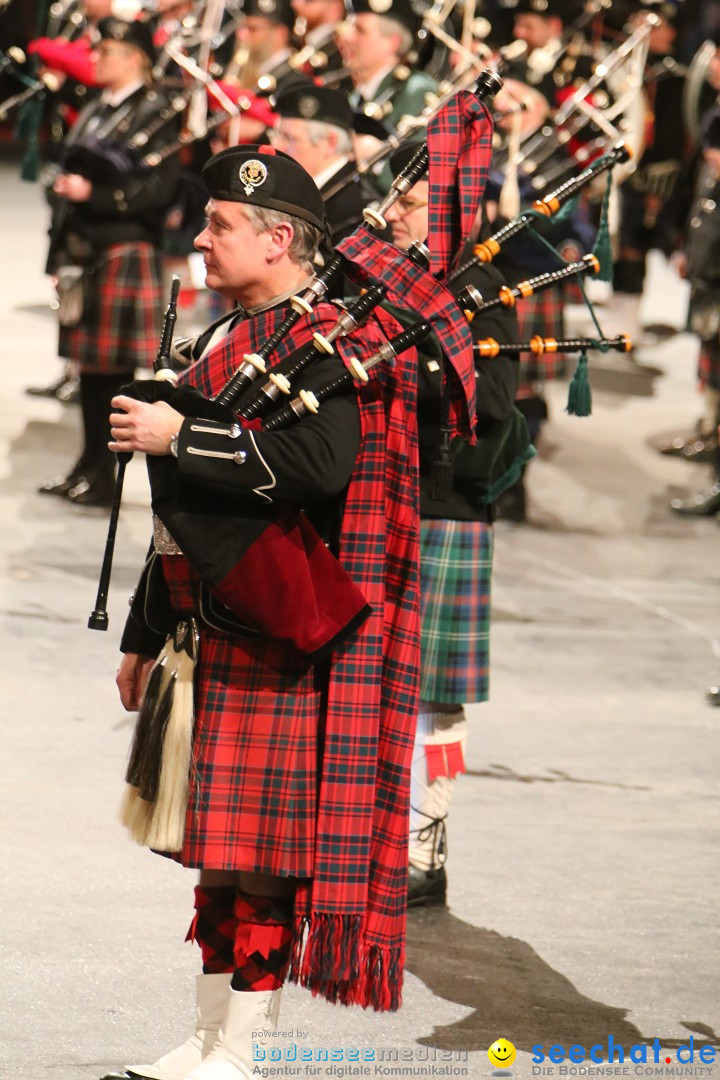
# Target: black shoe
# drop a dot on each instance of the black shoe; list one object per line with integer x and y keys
{"x": 116, "y": 1076}
{"x": 52, "y": 390}
{"x": 703, "y": 504}
{"x": 426, "y": 887}
{"x": 61, "y": 485}
{"x": 95, "y": 492}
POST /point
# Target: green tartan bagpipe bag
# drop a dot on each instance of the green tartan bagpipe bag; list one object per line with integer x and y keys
{"x": 484, "y": 471}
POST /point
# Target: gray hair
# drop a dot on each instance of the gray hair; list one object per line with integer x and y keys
{"x": 306, "y": 238}
{"x": 389, "y": 26}
{"x": 319, "y": 130}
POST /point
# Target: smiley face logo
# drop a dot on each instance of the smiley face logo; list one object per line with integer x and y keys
{"x": 501, "y": 1054}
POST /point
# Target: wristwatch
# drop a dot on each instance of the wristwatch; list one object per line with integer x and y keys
{"x": 174, "y": 444}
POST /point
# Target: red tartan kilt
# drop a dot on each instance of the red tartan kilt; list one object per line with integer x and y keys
{"x": 253, "y": 792}
{"x": 542, "y": 314}
{"x": 122, "y": 331}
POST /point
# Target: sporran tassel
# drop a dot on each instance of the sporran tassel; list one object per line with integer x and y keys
{"x": 154, "y": 803}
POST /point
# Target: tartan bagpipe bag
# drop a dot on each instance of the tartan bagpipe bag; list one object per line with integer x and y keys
{"x": 266, "y": 564}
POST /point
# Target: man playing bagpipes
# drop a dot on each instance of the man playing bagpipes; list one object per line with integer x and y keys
{"x": 284, "y": 568}
{"x": 456, "y": 546}
{"x": 315, "y": 127}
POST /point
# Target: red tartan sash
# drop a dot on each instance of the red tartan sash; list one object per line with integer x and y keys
{"x": 460, "y": 145}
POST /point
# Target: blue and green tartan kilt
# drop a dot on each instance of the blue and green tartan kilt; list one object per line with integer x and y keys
{"x": 455, "y": 568}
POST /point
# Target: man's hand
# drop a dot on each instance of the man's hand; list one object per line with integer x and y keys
{"x": 143, "y": 427}
{"x": 131, "y": 679}
{"x": 73, "y": 187}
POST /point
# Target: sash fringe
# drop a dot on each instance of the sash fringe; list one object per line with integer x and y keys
{"x": 331, "y": 959}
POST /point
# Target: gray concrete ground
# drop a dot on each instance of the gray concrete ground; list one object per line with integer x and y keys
{"x": 583, "y": 843}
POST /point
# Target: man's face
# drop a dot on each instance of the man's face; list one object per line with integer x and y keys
{"x": 116, "y": 64}
{"x": 262, "y": 37}
{"x": 364, "y": 48}
{"x": 234, "y": 254}
{"x": 97, "y": 9}
{"x": 291, "y": 135}
{"x": 314, "y": 12}
{"x": 408, "y": 216}
{"x": 536, "y": 30}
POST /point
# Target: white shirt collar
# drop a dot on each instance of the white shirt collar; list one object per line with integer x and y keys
{"x": 327, "y": 173}
{"x": 370, "y": 88}
{"x": 113, "y": 99}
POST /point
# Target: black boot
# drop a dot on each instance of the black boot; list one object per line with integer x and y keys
{"x": 697, "y": 446}
{"x": 96, "y": 486}
{"x": 95, "y": 490}
{"x": 426, "y": 888}
{"x": 62, "y": 485}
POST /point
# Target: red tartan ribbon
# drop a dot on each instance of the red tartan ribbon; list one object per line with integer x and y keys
{"x": 411, "y": 287}
{"x": 459, "y": 141}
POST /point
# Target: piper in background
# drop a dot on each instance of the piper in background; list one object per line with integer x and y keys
{"x": 315, "y": 128}
{"x": 456, "y": 546}
{"x": 104, "y": 247}
{"x": 376, "y": 44}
